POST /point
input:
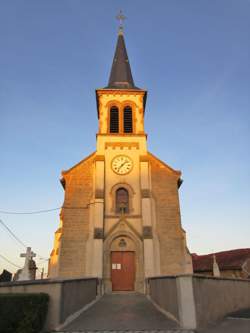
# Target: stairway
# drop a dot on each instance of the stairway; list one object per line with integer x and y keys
{"x": 130, "y": 331}
{"x": 123, "y": 313}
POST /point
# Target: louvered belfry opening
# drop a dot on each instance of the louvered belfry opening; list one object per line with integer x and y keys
{"x": 127, "y": 120}
{"x": 114, "y": 120}
{"x": 122, "y": 200}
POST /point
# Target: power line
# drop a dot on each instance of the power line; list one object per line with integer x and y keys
{"x": 12, "y": 234}
{"x": 10, "y": 262}
{"x": 20, "y": 242}
{"x": 6, "y": 259}
{"x": 41, "y": 211}
{"x": 42, "y": 259}
{"x": 17, "y": 239}
{"x": 30, "y": 213}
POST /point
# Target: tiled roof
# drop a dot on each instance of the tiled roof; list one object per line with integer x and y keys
{"x": 232, "y": 259}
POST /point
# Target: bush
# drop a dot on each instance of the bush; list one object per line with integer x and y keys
{"x": 23, "y": 313}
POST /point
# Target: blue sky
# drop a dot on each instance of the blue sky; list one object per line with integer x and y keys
{"x": 194, "y": 59}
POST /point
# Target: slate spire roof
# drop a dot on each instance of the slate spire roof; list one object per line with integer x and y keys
{"x": 121, "y": 75}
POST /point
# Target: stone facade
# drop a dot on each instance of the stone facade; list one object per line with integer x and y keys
{"x": 174, "y": 255}
{"x": 92, "y": 226}
{"x": 68, "y": 257}
{"x": 91, "y": 229}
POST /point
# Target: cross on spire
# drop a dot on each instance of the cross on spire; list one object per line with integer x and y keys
{"x": 121, "y": 18}
{"x": 120, "y": 74}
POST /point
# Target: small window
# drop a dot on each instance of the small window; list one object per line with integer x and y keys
{"x": 122, "y": 201}
{"x": 127, "y": 120}
{"x": 114, "y": 120}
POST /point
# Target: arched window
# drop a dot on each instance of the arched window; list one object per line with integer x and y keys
{"x": 122, "y": 201}
{"x": 114, "y": 120}
{"x": 127, "y": 120}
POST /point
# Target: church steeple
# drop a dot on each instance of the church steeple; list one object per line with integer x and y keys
{"x": 121, "y": 105}
{"x": 121, "y": 75}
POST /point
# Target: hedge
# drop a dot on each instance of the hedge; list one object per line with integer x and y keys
{"x": 23, "y": 313}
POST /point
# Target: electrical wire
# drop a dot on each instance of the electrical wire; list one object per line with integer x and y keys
{"x": 17, "y": 239}
{"x": 10, "y": 262}
{"x": 42, "y": 211}
{"x": 12, "y": 234}
{"x": 30, "y": 213}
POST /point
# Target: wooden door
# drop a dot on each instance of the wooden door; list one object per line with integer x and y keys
{"x": 122, "y": 270}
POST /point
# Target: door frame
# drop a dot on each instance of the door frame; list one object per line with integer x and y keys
{"x": 134, "y": 244}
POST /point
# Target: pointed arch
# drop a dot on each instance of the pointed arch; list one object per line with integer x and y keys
{"x": 109, "y": 245}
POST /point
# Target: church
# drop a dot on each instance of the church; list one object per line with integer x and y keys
{"x": 120, "y": 220}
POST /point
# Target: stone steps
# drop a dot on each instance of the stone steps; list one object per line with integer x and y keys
{"x": 129, "y": 331}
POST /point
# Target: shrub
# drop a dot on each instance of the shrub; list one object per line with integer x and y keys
{"x": 23, "y": 313}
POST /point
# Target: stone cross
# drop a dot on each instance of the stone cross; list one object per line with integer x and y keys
{"x": 28, "y": 255}
{"x": 25, "y": 272}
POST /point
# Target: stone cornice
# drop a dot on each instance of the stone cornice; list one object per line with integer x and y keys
{"x": 120, "y": 92}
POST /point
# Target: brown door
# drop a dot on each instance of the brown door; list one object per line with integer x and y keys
{"x": 122, "y": 270}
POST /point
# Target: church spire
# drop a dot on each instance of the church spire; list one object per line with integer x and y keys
{"x": 121, "y": 75}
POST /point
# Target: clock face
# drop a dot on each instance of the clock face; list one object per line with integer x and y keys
{"x": 121, "y": 164}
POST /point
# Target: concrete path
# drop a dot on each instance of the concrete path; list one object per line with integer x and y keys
{"x": 229, "y": 325}
{"x": 239, "y": 322}
{"x": 119, "y": 312}
{"x": 130, "y": 331}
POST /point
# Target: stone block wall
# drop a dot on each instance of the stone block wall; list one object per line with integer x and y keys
{"x": 65, "y": 296}
{"x": 161, "y": 287}
{"x": 174, "y": 256}
{"x": 216, "y": 297}
{"x": 70, "y": 260}
{"x": 195, "y": 301}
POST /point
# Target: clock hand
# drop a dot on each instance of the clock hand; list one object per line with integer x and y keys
{"x": 122, "y": 165}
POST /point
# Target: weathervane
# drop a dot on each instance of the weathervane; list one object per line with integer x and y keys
{"x": 121, "y": 18}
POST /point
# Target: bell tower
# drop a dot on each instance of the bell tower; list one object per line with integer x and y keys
{"x": 121, "y": 105}
{"x": 122, "y": 147}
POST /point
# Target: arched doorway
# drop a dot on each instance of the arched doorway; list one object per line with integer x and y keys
{"x": 122, "y": 267}
{"x": 123, "y": 263}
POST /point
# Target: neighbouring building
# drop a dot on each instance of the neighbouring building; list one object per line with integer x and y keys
{"x": 120, "y": 219}
{"x": 6, "y": 276}
{"x": 233, "y": 263}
